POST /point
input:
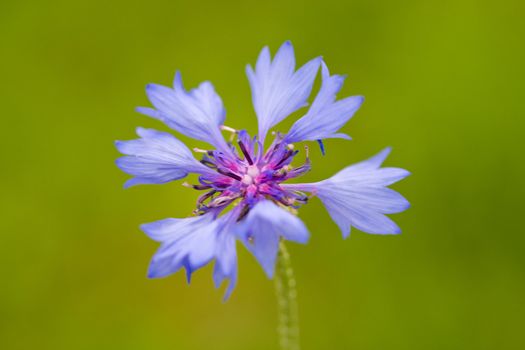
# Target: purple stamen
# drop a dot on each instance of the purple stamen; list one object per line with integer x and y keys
{"x": 208, "y": 163}
{"x": 204, "y": 197}
{"x": 201, "y": 187}
{"x": 251, "y": 176}
{"x": 229, "y": 174}
{"x": 245, "y": 152}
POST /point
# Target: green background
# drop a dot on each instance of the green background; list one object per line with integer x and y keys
{"x": 443, "y": 82}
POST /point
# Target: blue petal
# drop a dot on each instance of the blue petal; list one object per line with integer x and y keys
{"x": 265, "y": 248}
{"x": 326, "y": 116}
{"x": 226, "y": 262}
{"x": 196, "y": 114}
{"x": 357, "y": 196}
{"x": 321, "y": 146}
{"x": 192, "y": 243}
{"x": 371, "y": 163}
{"x": 188, "y": 242}
{"x": 225, "y": 252}
{"x": 173, "y": 229}
{"x": 277, "y": 89}
{"x": 157, "y": 157}
{"x": 262, "y": 229}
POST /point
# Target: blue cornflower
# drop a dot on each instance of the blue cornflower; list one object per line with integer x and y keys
{"x": 249, "y": 179}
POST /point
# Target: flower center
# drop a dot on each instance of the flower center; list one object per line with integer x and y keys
{"x": 251, "y": 174}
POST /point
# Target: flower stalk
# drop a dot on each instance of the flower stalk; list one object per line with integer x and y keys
{"x": 286, "y": 291}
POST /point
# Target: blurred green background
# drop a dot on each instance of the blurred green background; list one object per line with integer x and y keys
{"x": 443, "y": 82}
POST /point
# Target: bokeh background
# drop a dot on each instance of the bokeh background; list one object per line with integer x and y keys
{"x": 443, "y": 82}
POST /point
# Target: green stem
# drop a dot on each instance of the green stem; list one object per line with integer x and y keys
{"x": 285, "y": 288}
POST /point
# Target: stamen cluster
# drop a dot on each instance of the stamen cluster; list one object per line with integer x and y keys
{"x": 248, "y": 174}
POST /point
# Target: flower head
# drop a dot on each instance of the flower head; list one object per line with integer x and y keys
{"x": 245, "y": 196}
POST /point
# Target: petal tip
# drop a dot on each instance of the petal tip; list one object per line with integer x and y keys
{"x": 142, "y": 110}
{"x": 130, "y": 183}
{"x": 145, "y": 227}
{"x": 269, "y": 271}
{"x": 152, "y": 273}
{"x": 151, "y": 87}
{"x": 188, "y": 275}
{"x": 118, "y": 145}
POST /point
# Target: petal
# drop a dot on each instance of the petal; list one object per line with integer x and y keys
{"x": 357, "y": 196}
{"x": 192, "y": 243}
{"x": 277, "y": 90}
{"x": 226, "y": 262}
{"x": 326, "y": 116}
{"x": 262, "y": 229}
{"x": 196, "y": 114}
{"x": 173, "y": 229}
{"x": 186, "y": 242}
{"x": 265, "y": 248}
{"x": 157, "y": 157}
{"x": 373, "y": 177}
{"x": 371, "y": 163}
{"x": 381, "y": 199}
